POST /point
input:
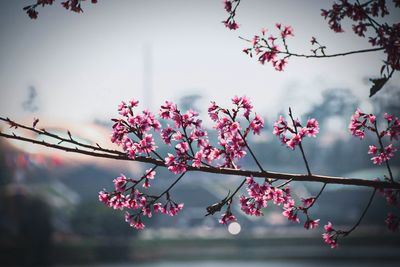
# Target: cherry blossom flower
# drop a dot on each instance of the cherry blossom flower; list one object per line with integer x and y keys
{"x": 311, "y": 224}
{"x": 267, "y": 49}
{"x": 227, "y": 217}
{"x": 361, "y": 122}
{"x": 120, "y": 183}
{"x": 330, "y": 236}
{"x": 292, "y": 136}
{"x": 392, "y": 222}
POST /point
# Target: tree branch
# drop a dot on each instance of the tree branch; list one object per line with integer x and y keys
{"x": 288, "y": 53}
{"x": 219, "y": 170}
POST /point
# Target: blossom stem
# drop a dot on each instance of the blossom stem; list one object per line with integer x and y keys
{"x": 317, "y": 196}
{"x": 169, "y": 188}
{"x": 141, "y": 178}
{"x": 300, "y": 145}
{"x": 247, "y": 145}
{"x": 382, "y": 150}
{"x": 346, "y": 233}
{"x": 188, "y": 140}
{"x": 236, "y": 190}
{"x": 284, "y": 183}
{"x": 251, "y": 152}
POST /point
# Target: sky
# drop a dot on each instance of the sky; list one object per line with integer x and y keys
{"x": 83, "y": 65}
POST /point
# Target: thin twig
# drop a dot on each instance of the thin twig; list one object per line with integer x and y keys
{"x": 300, "y": 145}
{"x": 322, "y": 56}
{"x": 383, "y": 151}
{"x": 346, "y": 233}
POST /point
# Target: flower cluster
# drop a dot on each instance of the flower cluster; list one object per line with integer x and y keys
{"x": 267, "y": 49}
{"x": 230, "y": 7}
{"x": 231, "y": 135}
{"x": 73, "y": 5}
{"x": 330, "y": 236}
{"x": 292, "y": 136}
{"x": 189, "y": 137}
{"x": 365, "y": 17}
{"x": 385, "y": 154}
{"x": 227, "y": 217}
{"x": 131, "y": 132}
{"x": 185, "y": 134}
{"x": 361, "y": 122}
{"x": 392, "y": 198}
{"x": 126, "y": 196}
{"x": 392, "y": 222}
{"x": 260, "y": 194}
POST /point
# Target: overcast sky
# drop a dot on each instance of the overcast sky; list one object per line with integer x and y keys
{"x": 82, "y": 65}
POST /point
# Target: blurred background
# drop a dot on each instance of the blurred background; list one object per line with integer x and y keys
{"x": 71, "y": 71}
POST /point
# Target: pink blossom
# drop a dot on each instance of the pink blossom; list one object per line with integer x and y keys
{"x": 104, "y": 197}
{"x": 157, "y": 207}
{"x": 287, "y": 31}
{"x": 120, "y": 183}
{"x": 307, "y": 202}
{"x": 263, "y": 31}
{"x": 328, "y": 227}
{"x": 386, "y": 155}
{"x": 294, "y": 141}
{"x": 358, "y": 123}
{"x": 147, "y": 211}
{"x": 197, "y": 159}
{"x": 311, "y": 224}
{"x": 117, "y": 201}
{"x": 213, "y": 111}
{"x": 166, "y": 134}
{"x": 167, "y": 110}
{"x": 330, "y": 236}
{"x": 228, "y": 5}
{"x": 290, "y": 211}
{"x": 312, "y": 127}
{"x": 182, "y": 147}
{"x": 257, "y": 124}
{"x": 232, "y": 25}
{"x": 172, "y": 208}
{"x": 393, "y": 130}
{"x": 147, "y": 144}
{"x": 133, "y": 103}
{"x": 388, "y": 117}
{"x": 150, "y": 174}
{"x": 227, "y": 217}
{"x": 372, "y": 150}
{"x": 134, "y": 221}
{"x": 330, "y": 240}
{"x": 174, "y": 165}
{"x": 392, "y": 222}
{"x": 280, "y": 64}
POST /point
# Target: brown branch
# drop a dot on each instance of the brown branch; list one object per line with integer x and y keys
{"x": 14, "y": 124}
{"x": 219, "y": 170}
{"x": 324, "y": 55}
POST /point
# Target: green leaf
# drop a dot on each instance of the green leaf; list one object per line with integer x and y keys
{"x": 378, "y": 84}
